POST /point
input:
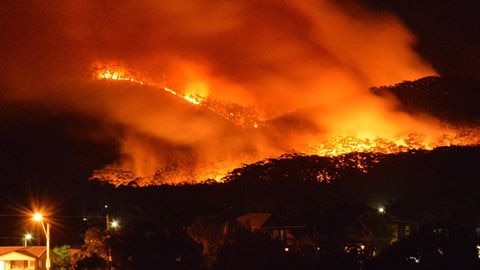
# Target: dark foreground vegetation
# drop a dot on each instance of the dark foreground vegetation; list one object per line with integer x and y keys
{"x": 430, "y": 217}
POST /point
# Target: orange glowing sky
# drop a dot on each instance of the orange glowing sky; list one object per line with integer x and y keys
{"x": 201, "y": 88}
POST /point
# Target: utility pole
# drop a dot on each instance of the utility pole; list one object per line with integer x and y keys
{"x": 109, "y": 248}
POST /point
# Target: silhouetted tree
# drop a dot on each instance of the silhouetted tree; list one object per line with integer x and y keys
{"x": 93, "y": 254}
{"x": 210, "y": 233}
{"x": 91, "y": 263}
{"x": 61, "y": 257}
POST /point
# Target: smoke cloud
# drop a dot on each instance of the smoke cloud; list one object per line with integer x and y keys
{"x": 303, "y": 67}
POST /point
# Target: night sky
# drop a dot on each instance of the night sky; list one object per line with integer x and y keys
{"x": 448, "y": 32}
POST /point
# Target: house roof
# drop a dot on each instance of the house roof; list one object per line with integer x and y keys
{"x": 267, "y": 221}
{"x": 31, "y": 251}
{"x": 253, "y": 220}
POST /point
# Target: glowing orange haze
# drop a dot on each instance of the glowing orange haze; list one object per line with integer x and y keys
{"x": 202, "y": 88}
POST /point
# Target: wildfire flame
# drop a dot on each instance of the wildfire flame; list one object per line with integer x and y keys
{"x": 194, "y": 93}
{"x": 343, "y": 145}
{"x": 116, "y": 73}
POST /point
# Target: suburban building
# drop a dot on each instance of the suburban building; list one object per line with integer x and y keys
{"x": 271, "y": 225}
{"x": 22, "y": 258}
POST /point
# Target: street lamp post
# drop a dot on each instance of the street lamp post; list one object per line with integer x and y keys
{"x": 46, "y": 229}
{"x": 110, "y": 224}
{"x": 109, "y": 248}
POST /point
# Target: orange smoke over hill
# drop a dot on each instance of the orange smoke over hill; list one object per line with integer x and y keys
{"x": 380, "y": 137}
{"x": 201, "y": 88}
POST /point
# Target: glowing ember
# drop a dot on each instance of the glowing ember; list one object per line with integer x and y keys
{"x": 116, "y": 73}
{"x": 337, "y": 146}
{"x": 195, "y": 100}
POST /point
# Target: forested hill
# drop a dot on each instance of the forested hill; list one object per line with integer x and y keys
{"x": 439, "y": 182}
{"x": 449, "y": 99}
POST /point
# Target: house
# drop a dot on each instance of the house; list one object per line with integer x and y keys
{"x": 253, "y": 221}
{"x": 22, "y": 258}
{"x": 271, "y": 225}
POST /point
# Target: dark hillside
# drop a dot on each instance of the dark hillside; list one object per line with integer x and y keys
{"x": 451, "y": 100}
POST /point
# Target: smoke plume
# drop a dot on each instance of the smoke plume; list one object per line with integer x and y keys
{"x": 300, "y": 69}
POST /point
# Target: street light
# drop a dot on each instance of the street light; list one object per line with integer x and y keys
{"x": 114, "y": 224}
{"x": 46, "y": 229}
{"x": 27, "y": 237}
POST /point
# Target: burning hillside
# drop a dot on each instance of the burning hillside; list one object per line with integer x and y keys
{"x": 199, "y": 89}
{"x": 195, "y": 94}
{"x": 345, "y": 150}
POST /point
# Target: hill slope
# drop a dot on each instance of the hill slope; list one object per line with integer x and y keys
{"x": 449, "y": 99}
